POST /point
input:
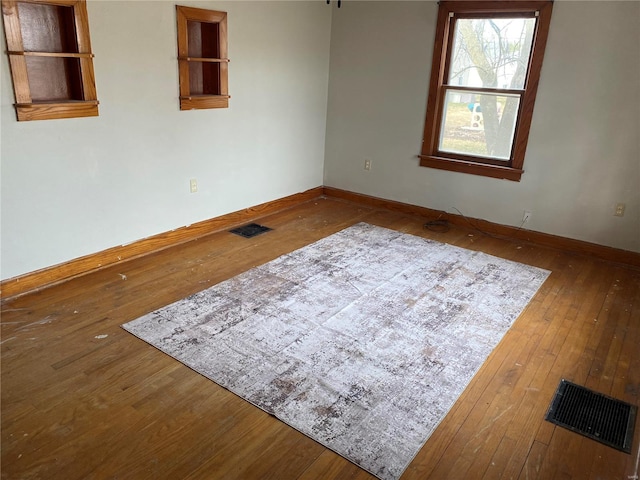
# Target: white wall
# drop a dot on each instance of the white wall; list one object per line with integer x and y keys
{"x": 77, "y": 186}
{"x": 74, "y": 187}
{"x": 584, "y": 147}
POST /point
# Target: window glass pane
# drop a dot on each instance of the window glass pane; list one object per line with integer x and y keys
{"x": 491, "y": 52}
{"x": 477, "y": 124}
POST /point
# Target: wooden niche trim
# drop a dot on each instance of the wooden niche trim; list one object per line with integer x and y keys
{"x": 50, "y": 56}
{"x": 202, "y": 58}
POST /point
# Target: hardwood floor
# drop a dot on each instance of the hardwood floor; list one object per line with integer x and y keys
{"x": 83, "y": 399}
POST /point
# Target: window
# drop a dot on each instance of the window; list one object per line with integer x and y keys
{"x": 50, "y": 57}
{"x": 202, "y": 58}
{"x": 486, "y": 66}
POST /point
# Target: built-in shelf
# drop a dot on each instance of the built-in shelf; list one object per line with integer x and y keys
{"x": 49, "y": 51}
{"x": 202, "y": 58}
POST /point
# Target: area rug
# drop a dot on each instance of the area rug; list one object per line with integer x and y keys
{"x": 363, "y": 340}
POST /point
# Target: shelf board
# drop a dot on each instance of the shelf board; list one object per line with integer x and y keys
{"x": 53, "y": 54}
{"x": 203, "y": 96}
{"x": 57, "y": 103}
{"x": 201, "y": 59}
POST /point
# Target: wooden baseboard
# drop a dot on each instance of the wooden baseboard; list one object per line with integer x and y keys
{"x": 567, "y": 244}
{"x": 39, "y": 279}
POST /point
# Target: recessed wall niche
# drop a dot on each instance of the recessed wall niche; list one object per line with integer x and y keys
{"x": 49, "y": 51}
{"x": 202, "y": 58}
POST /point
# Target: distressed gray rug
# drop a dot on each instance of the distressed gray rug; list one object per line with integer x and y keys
{"x": 363, "y": 340}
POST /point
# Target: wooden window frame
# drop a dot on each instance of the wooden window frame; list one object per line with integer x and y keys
{"x": 449, "y": 10}
{"x": 26, "y": 107}
{"x": 189, "y": 100}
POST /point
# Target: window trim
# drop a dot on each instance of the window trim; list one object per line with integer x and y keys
{"x": 26, "y": 108}
{"x": 430, "y": 156}
{"x": 189, "y": 101}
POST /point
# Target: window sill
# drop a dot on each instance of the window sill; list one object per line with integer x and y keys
{"x": 485, "y": 170}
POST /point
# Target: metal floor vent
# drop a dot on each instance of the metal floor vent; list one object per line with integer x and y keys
{"x": 593, "y": 415}
{"x": 251, "y": 230}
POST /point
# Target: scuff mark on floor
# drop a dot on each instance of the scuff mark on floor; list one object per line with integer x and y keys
{"x": 493, "y": 420}
{"x": 44, "y": 321}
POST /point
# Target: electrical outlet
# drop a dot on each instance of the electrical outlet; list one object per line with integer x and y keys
{"x": 193, "y": 185}
{"x": 619, "y": 210}
{"x": 526, "y": 216}
{"x": 367, "y": 164}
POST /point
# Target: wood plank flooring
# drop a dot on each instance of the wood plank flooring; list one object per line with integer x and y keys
{"x": 83, "y": 399}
